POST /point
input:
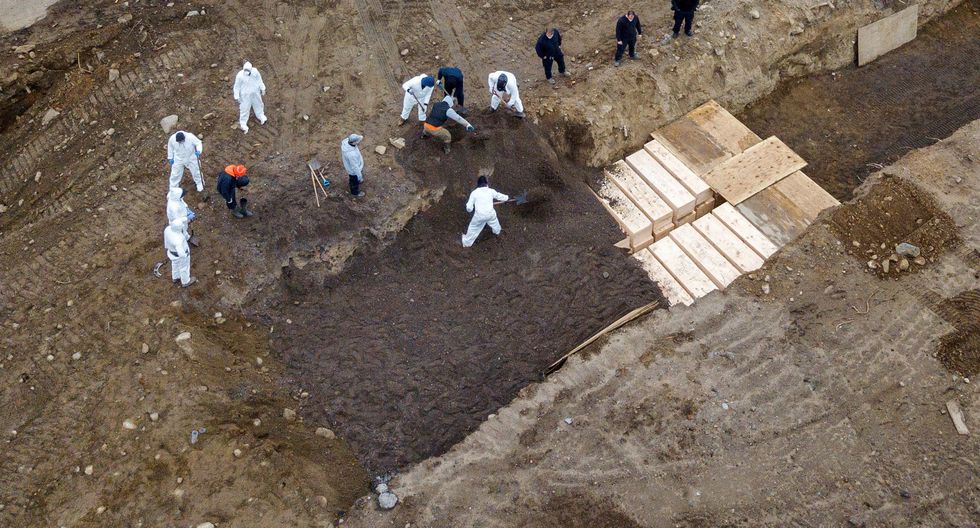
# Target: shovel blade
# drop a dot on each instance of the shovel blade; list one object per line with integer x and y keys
{"x": 521, "y": 199}
{"x": 314, "y": 164}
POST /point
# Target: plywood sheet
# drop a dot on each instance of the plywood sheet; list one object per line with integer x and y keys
{"x": 723, "y": 128}
{"x": 692, "y": 145}
{"x": 637, "y": 190}
{"x": 760, "y": 166}
{"x": 636, "y": 225}
{"x": 809, "y": 197}
{"x": 745, "y": 230}
{"x": 665, "y": 185}
{"x": 774, "y": 215}
{"x": 692, "y": 182}
{"x": 672, "y": 290}
{"x": 682, "y": 268}
{"x": 728, "y": 243}
{"x": 878, "y": 38}
{"x": 715, "y": 265}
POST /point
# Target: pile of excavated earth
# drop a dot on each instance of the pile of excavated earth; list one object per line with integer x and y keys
{"x": 345, "y": 361}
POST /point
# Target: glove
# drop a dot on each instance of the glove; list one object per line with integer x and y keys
{"x": 470, "y": 128}
{"x": 170, "y": 161}
{"x": 197, "y": 154}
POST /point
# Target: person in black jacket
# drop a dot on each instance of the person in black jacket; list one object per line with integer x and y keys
{"x": 628, "y": 29}
{"x": 451, "y": 79}
{"x": 683, "y": 12}
{"x": 229, "y": 180}
{"x": 549, "y": 49}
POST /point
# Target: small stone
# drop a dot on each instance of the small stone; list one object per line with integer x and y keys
{"x": 100, "y": 510}
{"x": 128, "y": 424}
{"x": 168, "y": 123}
{"x": 398, "y": 143}
{"x": 154, "y": 416}
{"x": 192, "y": 14}
{"x": 766, "y": 289}
{"x": 828, "y": 290}
{"x": 237, "y": 453}
{"x": 754, "y": 13}
{"x": 855, "y": 243}
{"x": 128, "y": 17}
{"x": 26, "y": 48}
{"x": 797, "y": 30}
{"x": 907, "y": 250}
{"x": 109, "y": 132}
{"x": 568, "y": 421}
{"x": 380, "y": 149}
{"x": 381, "y": 488}
{"x": 873, "y": 264}
{"x": 258, "y": 361}
{"x": 905, "y": 494}
{"x": 76, "y": 356}
{"x": 89, "y": 469}
{"x": 289, "y": 414}
{"x": 605, "y": 274}
{"x": 903, "y": 264}
{"x": 49, "y": 116}
{"x": 919, "y": 261}
{"x": 387, "y": 500}
{"x": 183, "y": 336}
{"x": 404, "y": 52}
{"x": 325, "y": 433}
{"x": 113, "y": 74}
{"x": 306, "y": 117}
{"x": 206, "y": 525}
{"x": 256, "y": 422}
{"x": 885, "y": 265}
{"x": 145, "y": 348}
{"x": 724, "y": 406}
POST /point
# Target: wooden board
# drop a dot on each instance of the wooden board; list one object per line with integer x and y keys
{"x": 692, "y": 145}
{"x": 715, "y": 265}
{"x": 956, "y": 415}
{"x": 774, "y": 215}
{"x": 723, "y": 128}
{"x": 665, "y": 185}
{"x": 682, "y": 268}
{"x": 672, "y": 290}
{"x": 809, "y": 197}
{"x": 760, "y": 166}
{"x": 728, "y": 243}
{"x": 636, "y": 189}
{"x": 704, "y": 208}
{"x": 745, "y": 230}
{"x": 692, "y": 182}
{"x": 878, "y": 38}
{"x": 636, "y": 225}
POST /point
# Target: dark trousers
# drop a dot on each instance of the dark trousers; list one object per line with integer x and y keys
{"x": 454, "y": 87}
{"x": 686, "y": 17}
{"x": 355, "y": 184}
{"x": 230, "y": 200}
{"x": 621, "y": 47}
{"x": 548, "y": 61}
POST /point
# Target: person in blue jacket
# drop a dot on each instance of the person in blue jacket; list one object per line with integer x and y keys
{"x": 549, "y": 49}
{"x": 450, "y": 78}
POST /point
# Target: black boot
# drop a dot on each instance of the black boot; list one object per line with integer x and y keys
{"x": 243, "y": 208}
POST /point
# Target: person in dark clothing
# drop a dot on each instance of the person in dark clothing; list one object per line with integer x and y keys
{"x": 628, "y": 29}
{"x": 229, "y": 180}
{"x": 549, "y": 49}
{"x": 683, "y": 12}
{"x": 452, "y": 83}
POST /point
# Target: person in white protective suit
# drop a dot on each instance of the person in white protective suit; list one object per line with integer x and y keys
{"x": 183, "y": 150}
{"x": 249, "y": 91}
{"x": 481, "y": 205}
{"x": 176, "y": 206}
{"x": 418, "y": 90}
{"x": 503, "y": 86}
{"x": 175, "y": 239}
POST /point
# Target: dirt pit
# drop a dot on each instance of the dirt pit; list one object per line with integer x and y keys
{"x": 415, "y": 345}
{"x": 894, "y": 211}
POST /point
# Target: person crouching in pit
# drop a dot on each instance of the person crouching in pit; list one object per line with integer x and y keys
{"x": 435, "y": 121}
{"x": 229, "y": 180}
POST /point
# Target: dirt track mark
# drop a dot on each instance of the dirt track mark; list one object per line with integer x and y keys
{"x": 379, "y": 40}
{"x": 514, "y": 40}
{"x": 454, "y": 32}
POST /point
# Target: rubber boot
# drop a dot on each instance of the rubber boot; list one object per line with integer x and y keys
{"x": 237, "y": 212}
{"x": 244, "y": 208}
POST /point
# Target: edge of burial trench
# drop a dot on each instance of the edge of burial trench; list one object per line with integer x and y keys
{"x": 734, "y": 58}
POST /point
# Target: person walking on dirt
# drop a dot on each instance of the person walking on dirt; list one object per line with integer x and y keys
{"x": 418, "y": 90}
{"x": 184, "y": 150}
{"x": 175, "y": 239}
{"x": 683, "y": 12}
{"x": 176, "y": 206}
{"x": 440, "y": 113}
{"x": 481, "y": 205}
{"x": 628, "y": 29}
{"x": 249, "y": 91}
{"x": 450, "y": 78}
{"x": 503, "y": 86}
{"x": 549, "y": 49}
{"x": 229, "y": 181}
{"x": 350, "y": 155}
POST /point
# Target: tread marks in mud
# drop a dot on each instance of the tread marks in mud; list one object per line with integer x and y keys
{"x": 515, "y": 39}
{"x": 453, "y": 29}
{"x": 383, "y": 47}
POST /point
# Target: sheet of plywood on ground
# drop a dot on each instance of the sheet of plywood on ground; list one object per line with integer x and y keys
{"x": 692, "y": 182}
{"x": 715, "y": 265}
{"x": 692, "y": 145}
{"x": 636, "y": 225}
{"x": 637, "y": 190}
{"x": 724, "y": 128}
{"x": 672, "y": 290}
{"x": 728, "y": 243}
{"x": 682, "y": 268}
{"x": 760, "y": 166}
{"x": 665, "y": 185}
{"x": 811, "y": 198}
{"x": 774, "y": 215}
{"x": 878, "y": 38}
{"x": 745, "y": 230}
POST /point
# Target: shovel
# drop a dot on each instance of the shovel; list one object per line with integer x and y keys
{"x": 520, "y": 199}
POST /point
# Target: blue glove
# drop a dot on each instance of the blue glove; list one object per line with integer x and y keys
{"x": 471, "y": 128}
{"x": 198, "y": 154}
{"x": 170, "y": 161}
{"x": 190, "y": 215}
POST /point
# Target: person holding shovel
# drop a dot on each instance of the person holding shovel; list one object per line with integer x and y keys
{"x": 184, "y": 150}
{"x": 503, "y": 87}
{"x": 418, "y": 90}
{"x": 231, "y": 179}
{"x": 450, "y": 79}
{"x": 481, "y": 204}
{"x": 434, "y": 124}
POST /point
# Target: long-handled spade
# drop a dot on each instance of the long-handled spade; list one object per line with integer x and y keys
{"x": 520, "y": 199}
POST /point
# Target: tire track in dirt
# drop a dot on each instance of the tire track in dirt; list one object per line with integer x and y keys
{"x": 379, "y": 40}
{"x": 454, "y": 32}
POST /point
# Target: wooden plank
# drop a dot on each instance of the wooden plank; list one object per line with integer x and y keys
{"x": 636, "y": 189}
{"x": 745, "y": 230}
{"x": 878, "y": 38}
{"x": 704, "y": 208}
{"x": 686, "y": 219}
{"x": 672, "y": 290}
{"x": 956, "y": 415}
{"x": 728, "y": 243}
{"x": 665, "y": 185}
{"x": 760, "y": 166}
{"x": 774, "y": 215}
{"x": 809, "y": 197}
{"x": 682, "y": 268}
{"x": 636, "y": 225}
{"x": 723, "y": 128}
{"x": 692, "y": 182}
{"x": 692, "y": 145}
{"x": 715, "y": 265}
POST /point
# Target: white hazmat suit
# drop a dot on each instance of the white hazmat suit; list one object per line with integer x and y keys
{"x": 176, "y": 206}
{"x": 249, "y": 90}
{"x": 175, "y": 239}
{"x": 417, "y": 94}
{"x": 183, "y": 154}
{"x": 481, "y": 205}
{"x": 511, "y": 90}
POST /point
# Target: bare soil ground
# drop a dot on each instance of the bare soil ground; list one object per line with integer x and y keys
{"x": 819, "y": 403}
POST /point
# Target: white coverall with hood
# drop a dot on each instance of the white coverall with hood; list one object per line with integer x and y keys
{"x": 249, "y": 90}
{"x": 511, "y": 90}
{"x": 185, "y": 155}
{"x": 350, "y": 155}
{"x": 176, "y": 206}
{"x": 175, "y": 239}
{"x": 481, "y": 205}
{"x": 415, "y": 94}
